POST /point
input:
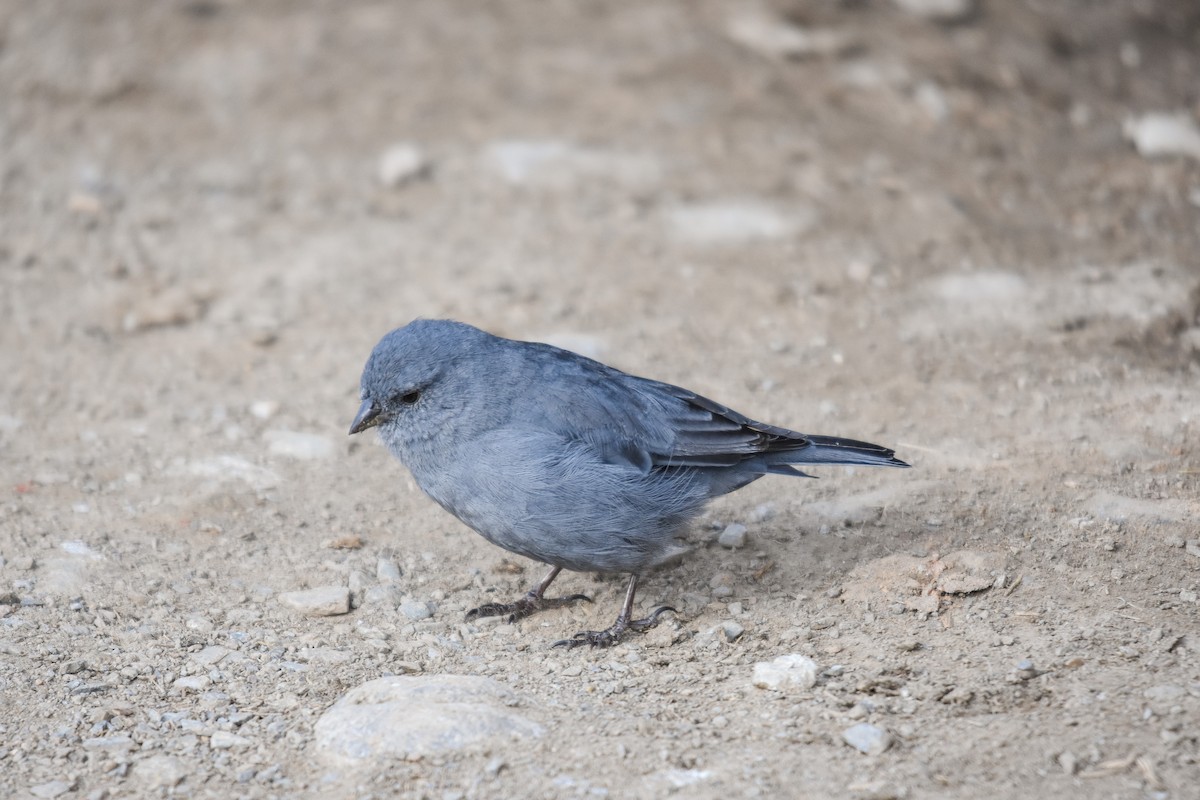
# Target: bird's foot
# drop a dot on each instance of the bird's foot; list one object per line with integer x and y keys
{"x": 529, "y": 604}
{"x": 610, "y": 636}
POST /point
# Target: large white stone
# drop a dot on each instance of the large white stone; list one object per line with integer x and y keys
{"x": 792, "y": 671}
{"x": 419, "y": 716}
{"x": 323, "y": 601}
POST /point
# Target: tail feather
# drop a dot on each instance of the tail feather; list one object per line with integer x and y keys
{"x": 836, "y": 450}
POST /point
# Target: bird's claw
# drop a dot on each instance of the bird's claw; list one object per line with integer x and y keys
{"x": 610, "y": 636}
{"x": 525, "y": 606}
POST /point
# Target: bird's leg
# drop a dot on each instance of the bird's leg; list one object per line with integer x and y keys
{"x": 610, "y": 636}
{"x": 532, "y": 602}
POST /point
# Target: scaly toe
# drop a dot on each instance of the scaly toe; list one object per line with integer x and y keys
{"x": 646, "y": 623}
{"x": 523, "y": 607}
{"x": 605, "y": 638}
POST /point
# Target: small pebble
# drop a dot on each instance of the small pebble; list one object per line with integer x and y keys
{"x": 224, "y": 740}
{"x": 1164, "y": 134}
{"x": 415, "y": 610}
{"x": 210, "y": 655}
{"x": 732, "y": 631}
{"x": 1025, "y": 670}
{"x": 51, "y": 789}
{"x": 867, "y": 738}
{"x": 192, "y": 683}
{"x": 323, "y": 601}
{"x": 264, "y": 409}
{"x": 402, "y": 163}
{"x": 733, "y": 537}
{"x": 792, "y": 671}
{"x": 161, "y": 771}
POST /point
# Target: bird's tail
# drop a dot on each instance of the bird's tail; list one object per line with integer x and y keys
{"x": 836, "y": 450}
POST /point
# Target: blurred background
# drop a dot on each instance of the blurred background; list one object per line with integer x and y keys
{"x": 967, "y": 229}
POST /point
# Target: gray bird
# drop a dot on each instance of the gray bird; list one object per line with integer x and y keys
{"x": 562, "y": 459}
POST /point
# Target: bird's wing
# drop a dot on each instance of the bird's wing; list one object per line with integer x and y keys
{"x": 708, "y": 434}
{"x": 646, "y": 423}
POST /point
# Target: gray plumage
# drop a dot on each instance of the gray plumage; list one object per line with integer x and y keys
{"x": 560, "y": 458}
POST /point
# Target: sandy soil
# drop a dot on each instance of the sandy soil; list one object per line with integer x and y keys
{"x": 932, "y": 235}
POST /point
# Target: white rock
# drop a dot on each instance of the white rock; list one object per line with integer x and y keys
{"x": 1163, "y": 134}
{"x": 264, "y": 409}
{"x": 733, "y": 537}
{"x": 415, "y": 610}
{"x": 402, "y": 163}
{"x": 792, "y": 671}
{"x": 734, "y": 222}
{"x": 224, "y": 740}
{"x": 419, "y": 716}
{"x": 109, "y": 744}
{"x": 294, "y": 444}
{"x": 160, "y": 771}
{"x": 940, "y": 10}
{"x": 322, "y": 601}
{"x": 867, "y": 738}
{"x": 78, "y": 548}
{"x": 50, "y": 789}
{"x": 777, "y": 38}
{"x": 192, "y": 683}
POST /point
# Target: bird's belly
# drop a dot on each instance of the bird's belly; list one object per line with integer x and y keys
{"x": 597, "y": 521}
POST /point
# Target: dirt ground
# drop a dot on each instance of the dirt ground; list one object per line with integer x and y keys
{"x": 934, "y": 234}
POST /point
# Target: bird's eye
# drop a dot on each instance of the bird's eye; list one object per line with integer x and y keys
{"x": 408, "y": 398}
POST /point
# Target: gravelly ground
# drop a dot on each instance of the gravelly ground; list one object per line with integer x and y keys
{"x": 931, "y": 235}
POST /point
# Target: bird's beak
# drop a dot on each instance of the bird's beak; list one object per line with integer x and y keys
{"x": 367, "y": 417}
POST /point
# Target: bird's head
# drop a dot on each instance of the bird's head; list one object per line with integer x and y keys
{"x": 416, "y": 380}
